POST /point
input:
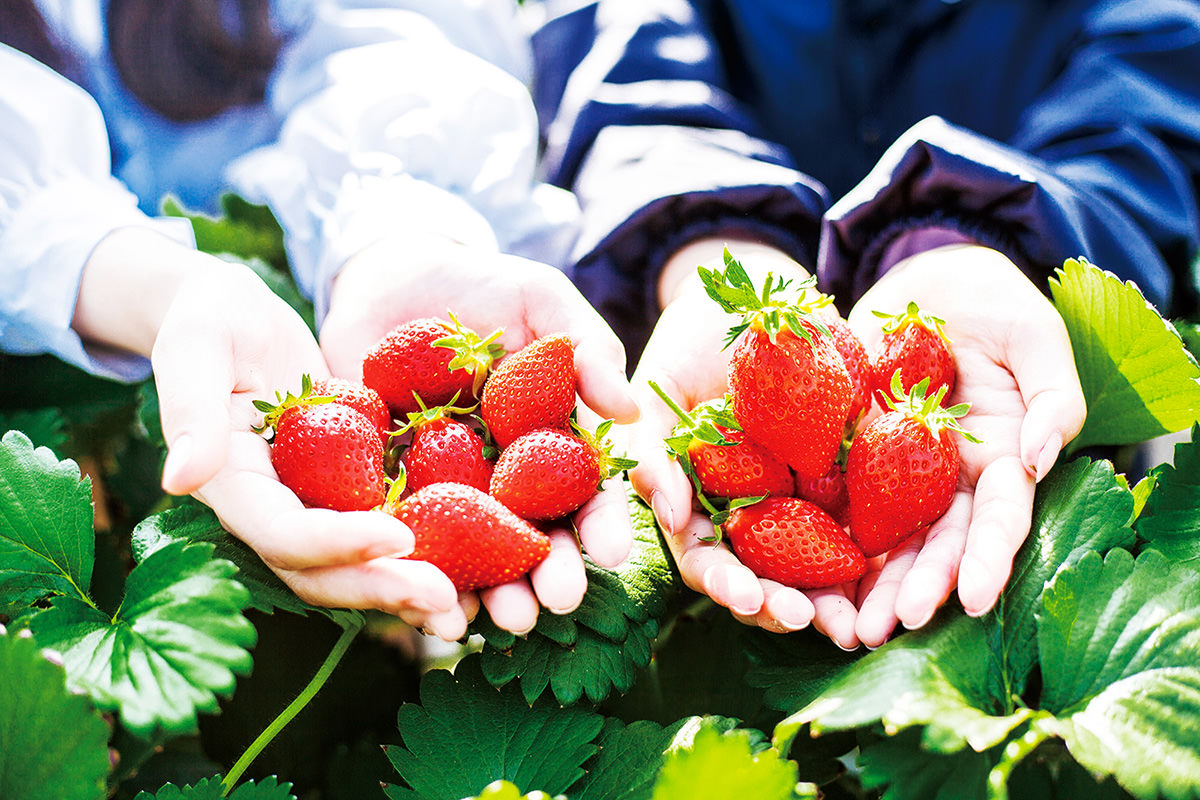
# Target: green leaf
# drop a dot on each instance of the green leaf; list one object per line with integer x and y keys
{"x": 466, "y": 734}
{"x": 628, "y": 761}
{"x": 47, "y": 545}
{"x": 242, "y": 229}
{"x": 45, "y": 427}
{"x": 600, "y": 646}
{"x": 211, "y": 789}
{"x": 794, "y": 669}
{"x": 1170, "y": 520}
{"x": 1120, "y": 647}
{"x": 1080, "y": 507}
{"x": 193, "y": 522}
{"x": 177, "y": 642}
{"x": 503, "y": 790}
{"x": 53, "y": 744}
{"x": 1137, "y": 377}
{"x": 937, "y": 678}
{"x": 721, "y": 765}
{"x": 910, "y": 772}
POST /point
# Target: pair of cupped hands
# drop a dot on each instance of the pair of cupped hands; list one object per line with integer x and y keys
{"x": 225, "y": 340}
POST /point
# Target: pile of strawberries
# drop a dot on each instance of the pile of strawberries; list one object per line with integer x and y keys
{"x": 472, "y": 449}
{"x": 802, "y": 490}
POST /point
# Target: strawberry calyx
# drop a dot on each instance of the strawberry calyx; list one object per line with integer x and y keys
{"x": 912, "y": 315}
{"x": 698, "y": 426}
{"x": 927, "y": 408}
{"x": 610, "y": 465}
{"x": 395, "y": 490}
{"x": 768, "y": 309}
{"x": 283, "y": 401}
{"x": 427, "y": 414}
{"x": 472, "y": 352}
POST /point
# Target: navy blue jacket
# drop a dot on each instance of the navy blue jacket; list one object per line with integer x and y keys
{"x": 844, "y": 131}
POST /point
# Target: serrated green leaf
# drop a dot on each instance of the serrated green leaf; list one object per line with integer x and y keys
{"x": 628, "y": 761}
{"x": 1120, "y": 647}
{"x": 793, "y": 670}
{"x": 600, "y": 646}
{"x": 1170, "y": 520}
{"x": 1137, "y": 377}
{"x": 47, "y": 545}
{"x": 53, "y": 744}
{"x": 178, "y": 642}
{"x": 937, "y": 678}
{"x": 194, "y": 522}
{"x": 45, "y": 427}
{"x": 911, "y": 773}
{"x": 211, "y": 789}
{"x": 466, "y": 734}
{"x": 242, "y": 230}
{"x": 1080, "y": 507}
{"x": 723, "y": 765}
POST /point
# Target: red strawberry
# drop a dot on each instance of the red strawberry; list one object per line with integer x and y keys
{"x": 788, "y": 384}
{"x": 532, "y": 388}
{"x": 858, "y": 365}
{"x": 915, "y": 344}
{"x": 715, "y": 453}
{"x": 469, "y": 535}
{"x": 444, "y": 449}
{"x": 548, "y": 473}
{"x": 828, "y": 492}
{"x": 328, "y": 453}
{"x": 430, "y": 358}
{"x": 903, "y": 469}
{"x": 794, "y": 542}
{"x": 362, "y": 398}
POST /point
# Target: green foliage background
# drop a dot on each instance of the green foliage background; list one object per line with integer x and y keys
{"x": 146, "y": 653}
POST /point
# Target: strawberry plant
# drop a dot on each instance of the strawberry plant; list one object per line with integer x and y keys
{"x": 147, "y": 654}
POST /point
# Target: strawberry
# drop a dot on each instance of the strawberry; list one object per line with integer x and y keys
{"x": 530, "y": 389}
{"x": 469, "y": 535}
{"x": 794, "y": 542}
{"x": 430, "y": 358}
{"x": 547, "y": 473}
{"x": 828, "y": 491}
{"x": 858, "y": 365}
{"x": 328, "y": 453}
{"x": 914, "y": 343}
{"x": 788, "y": 385}
{"x": 903, "y": 468}
{"x": 363, "y": 398}
{"x": 444, "y": 449}
{"x": 715, "y": 454}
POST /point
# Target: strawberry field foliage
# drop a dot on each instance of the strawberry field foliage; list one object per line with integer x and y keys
{"x": 146, "y": 653}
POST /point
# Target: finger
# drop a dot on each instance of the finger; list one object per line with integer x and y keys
{"x": 1000, "y": 518}
{"x": 412, "y": 590}
{"x": 560, "y": 580}
{"x": 784, "y": 609}
{"x": 600, "y": 374}
{"x": 877, "y": 612}
{"x": 604, "y": 525}
{"x": 935, "y": 571}
{"x": 835, "y": 616}
{"x": 1043, "y": 365}
{"x": 658, "y": 477}
{"x": 712, "y": 569}
{"x": 512, "y": 606}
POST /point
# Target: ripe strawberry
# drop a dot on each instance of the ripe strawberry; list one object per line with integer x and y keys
{"x": 328, "y": 453}
{"x": 858, "y": 365}
{"x": 903, "y": 468}
{"x": 794, "y": 542}
{"x": 828, "y": 491}
{"x": 547, "y": 473}
{"x": 715, "y": 454}
{"x": 469, "y": 535}
{"x": 915, "y": 344}
{"x": 444, "y": 449}
{"x": 430, "y": 358}
{"x": 362, "y": 398}
{"x": 788, "y": 385}
{"x": 530, "y": 389}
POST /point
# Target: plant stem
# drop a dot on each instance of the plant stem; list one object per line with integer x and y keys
{"x": 349, "y": 631}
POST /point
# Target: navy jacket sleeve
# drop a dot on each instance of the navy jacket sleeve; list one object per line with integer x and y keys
{"x": 638, "y": 123}
{"x": 640, "y": 118}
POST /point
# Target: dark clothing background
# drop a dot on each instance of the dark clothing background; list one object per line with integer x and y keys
{"x": 849, "y": 133}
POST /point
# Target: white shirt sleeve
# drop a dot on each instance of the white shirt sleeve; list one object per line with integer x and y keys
{"x": 58, "y": 199}
{"x": 405, "y": 116}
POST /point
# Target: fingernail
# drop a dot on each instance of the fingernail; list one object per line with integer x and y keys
{"x": 663, "y": 512}
{"x": 178, "y": 454}
{"x": 740, "y": 590}
{"x": 920, "y": 624}
{"x": 843, "y": 648}
{"x": 1049, "y": 454}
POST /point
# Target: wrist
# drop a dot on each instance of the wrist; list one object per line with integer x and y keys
{"x": 679, "y": 275}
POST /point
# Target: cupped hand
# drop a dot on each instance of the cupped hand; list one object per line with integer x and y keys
{"x": 685, "y": 357}
{"x": 397, "y": 280}
{"x": 1016, "y": 370}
